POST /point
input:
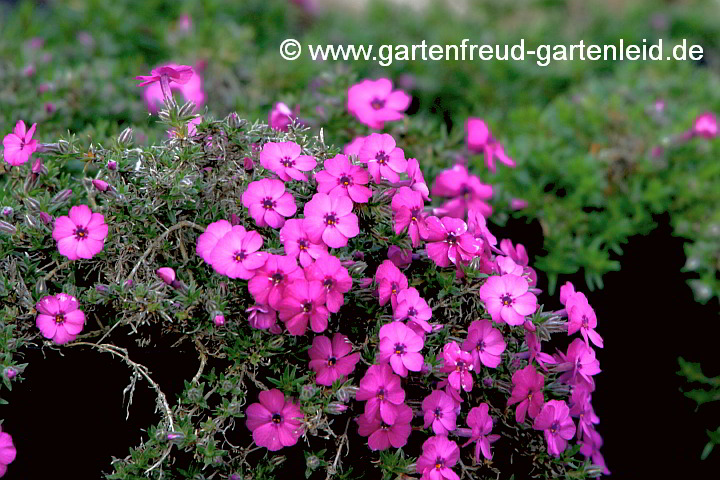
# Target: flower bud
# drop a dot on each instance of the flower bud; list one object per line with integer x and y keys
{"x": 112, "y": 165}
{"x": 401, "y": 258}
{"x": 7, "y": 212}
{"x": 234, "y": 121}
{"x": 32, "y": 204}
{"x": 46, "y": 218}
{"x": 307, "y": 392}
{"x": 61, "y": 197}
{"x": 176, "y": 437}
{"x": 102, "y": 288}
{"x": 335, "y": 408}
{"x": 248, "y": 164}
{"x": 488, "y": 382}
{"x": 125, "y": 137}
{"x": 38, "y": 167}
{"x": 276, "y": 342}
{"x": 280, "y": 117}
{"x": 365, "y": 282}
{"x": 194, "y": 395}
{"x": 278, "y": 460}
{"x": 358, "y": 255}
{"x": 41, "y": 287}
{"x": 100, "y": 185}
{"x": 219, "y": 320}
{"x": 234, "y": 220}
{"x": 166, "y": 274}
{"x": 222, "y": 289}
{"x": 10, "y": 373}
{"x": 7, "y": 228}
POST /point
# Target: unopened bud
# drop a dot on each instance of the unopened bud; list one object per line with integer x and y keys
{"x": 46, "y": 218}
{"x": 278, "y": 460}
{"x": 102, "y": 289}
{"x": 194, "y": 395}
{"x": 10, "y": 373}
{"x": 186, "y": 109}
{"x": 365, "y": 282}
{"x": 166, "y": 274}
{"x": 234, "y": 220}
{"x": 234, "y": 121}
{"x": 248, "y": 164}
{"x": 219, "y": 320}
{"x": 125, "y": 137}
{"x": 488, "y": 382}
{"x": 7, "y": 228}
{"x": 307, "y": 392}
{"x": 32, "y": 204}
{"x": 335, "y": 408}
{"x": 41, "y": 287}
{"x": 100, "y": 185}
{"x": 39, "y": 168}
{"x": 112, "y": 165}
{"x": 61, "y": 197}
{"x": 176, "y": 437}
{"x": 7, "y": 212}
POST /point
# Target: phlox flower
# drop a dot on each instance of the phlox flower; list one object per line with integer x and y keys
{"x": 439, "y": 411}
{"x": 459, "y": 364}
{"x": 400, "y": 257}
{"x": 534, "y": 353}
{"x": 448, "y": 241}
{"x": 59, "y": 318}
{"x": 485, "y": 344}
{"x": 705, "y": 125}
{"x": 381, "y": 388}
{"x": 330, "y": 360}
{"x": 268, "y": 202}
{"x": 590, "y": 447}
{"x": 555, "y": 422}
{"x": 566, "y": 291}
{"x": 438, "y": 457}
{"x": 192, "y": 90}
{"x": 578, "y": 364}
{"x": 417, "y": 179}
{"x": 353, "y": 148}
{"x": 399, "y": 346}
{"x": 390, "y": 281}
{"x": 466, "y": 192}
{"x": 330, "y": 219}
{"x": 274, "y": 422}
{"x": 285, "y": 159}
{"x": 268, "y": 284}
{"x": 374, "y": 102}
{"x": 481, "y": 425}
{"x": 408, "y": 207}
{"x": 236, "y": 254}
{"x": 263, "y": 317}
{"x": 209, "y": 239}
{"x": 581, "y": 316}
{"x": 280, "y": 117}
{"x": 7, "y": 451}
{"x": 19, "y": 145}
{"x": 507, "y": 299}
{"x": 334, "y": 278}
{"x": 297, "y": 243}
{"x": 527, "y": 390}
{"x": 342, "y": 177}
{"x": 384, "y": 159}
{"x": 180, "y": 74}
{"x": 506, "y": 265}
{"x": 477, "y": 225}
{"x": 381, "y": 434}
{"x": 480, "y": 140}
{"x": 304, "y": 301}
{"x": 81, "y": 233}
{"x": 519, "y": 255}
{"x": 413, "y": 308}
{"x": 581, "y": 408}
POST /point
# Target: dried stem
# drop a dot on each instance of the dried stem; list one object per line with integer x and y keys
{"x": 56, "y": 269}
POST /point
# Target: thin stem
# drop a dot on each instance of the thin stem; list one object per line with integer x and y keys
{"x": 56, "y": 269}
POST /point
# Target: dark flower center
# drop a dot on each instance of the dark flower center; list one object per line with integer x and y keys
{"x": 399, "y": 349}
{"x": 554, "y": 427}
{"x": 438, "y": 413}
{"x": 584, "y": 321}
{"x": 506, "y": 299}
{"x": 439, "y": 463}
{"x": 328, "y": 282}
{"x": 451, "y": 239}
{"x": 381, "y": 394}
{"x": 394, "y": 287}
{"x": 460, "y": 366}
{"x": 239, "y": 256}
{"x": 377, "y": 103}
{"x": 287, "y": 162}
{"x": 331, "y": 219}
{"x": 345, "y": 180}
{"x": 59, "y": 318}
{"x": 381, "y": 157}
{"x": 465, "y": 190}
{"x": 81, "y": 232}
{"x": 412, "y": 312}
{"x": 415, "y": 213}
{"x": 481, "y": 346}
{"x": 307, "y": 307}
{"x": 277, "y": 418}
{"x": 385, "y": 426}
{"x": 303, "y": 244}
{"x": 277, "y": 278}
{"x": 332, "y": 361}
{"x": 268, "y": 203}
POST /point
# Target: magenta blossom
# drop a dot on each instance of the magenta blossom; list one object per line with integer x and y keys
{"x": 439, "y": 410}
{"x": 192, "y": 90}
{"x": 527, "y": 390}
{"x": 381, "y": 434}
{"x": 342, "y": 177}
{"x": 705, "y": 125}
{"x": 408, "y": 207}
{"x": 459, "y": 364}
{"x": 534, "y": 351}
{"x": 330, "y": 360}
{"x": 374, "y": 102}
{"x": 480, "y": 140}
{"x": 390, "y": 281}
{"x": 209, "y": 239}
{"x": 304, "y": 301}
{"x": 81, "y": 233}
{"x": 59, "y": 318}
{"x": 417, "y": 180}
{"x": 581, "y": 316}
{"x": 566, "y": 291}
{"x": 581, "y": 408}
{"x": 485, "y": 344}
{"x": 280, "y": 117}
{"x": 236, "y": 254}
{"x": 19, "y": 145}
{"x": 590, "y": 447}
{"x": 334, "y": 277}
{"x": 507, "y": 299}
{"x": 449, "y": 242}
{"x": 481, "y": 425}
{"x": 263, "y": 317}
{"x": 297, "y": 243}
{"x": 285, "y": 159}
{"x": 274, "y": 422}
{"x": 466, "y": 192}
{"x": 330, "y": 219}
{"x": 578, "y": 364}
{"x": 269, "y": 203}
{"x": 268, "y": 284}
{"x": 413, "y": 308}
{"x": 438, "y": 457}
{"x": 353, "y": 148}
{"x": 399, "y": 346}
{"x": 400, "y": 257}
{"x": 554, "y": 419}
{"x": 7, "y": 451}
{"x": 180, "y": 74}
{"x": 384, "y": 159}
{"x": 381, "y": 388}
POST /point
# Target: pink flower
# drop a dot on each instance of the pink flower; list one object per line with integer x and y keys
{"x": 330, "y": 360}
{"x": 7, "y": 451}
{"x": 59, "y": 318}
{"x": 591, "y": 449}
{"x": 411, "y": 307}
{"x": 304, "y": 301}
{"x": 481, "y": 425}
{"x": 554, "y": 419}
{"x": 527, "y": 390}
{"x": 219, "y": 320}
{"x": 408, "y": 207}
{"x": 518, "y": 204}
{"x": 330, "y": 219}
{"x": 374, "y": 102}
{"x": 705, "y": 125}
{"x": 268, "y": 202}
{"x": 579, "y": 360}
{"x": 236, "y": 254}
{"x": 581, "y": 316}
{"x": 417, "y": 180}
{"x": 383, "y": 435}
{"x": 459, "y": 364}
{"x": 268, "y": 284}
{"x": 480, "y": 140}
{"x": 285, "y": 159}
{"x": 391, "y": 281}
{"x": 81, "y": 234}
{"x": 209, "y": 239}
{"x": 297, "y": 243}
{"x": 382, "y": 390}
{"x": 19, "y": 145}
{"x": 280, "y": 117}
{"x": 566, "y": 291}
{"x": 399, "y": 346}
{"x": 191, "y": 91}
{"x": 274, "y": 422}
{"x": 383, "y": 158}
{"x": 180, "y": 75}
{"x": 449, "y": 242}
{"x": 507, "y": 299}
{"x": 439, "y": 410}
{"x": 192, "y": 126}
{"x": 438, "y": 457}
{"x": 353, "y": 148}
{"x": 400, "y": 257}
{"x": 466, "y": 191}
{"x": 534, "y": 353}
{"x": 263, "y": 317}
{"x": 485, "y": 344}
{"x": 581, "y": 408}
{"x": 334, "y": 277}
{"x": 166, "y": 274}
{"x": 342, "y": 177}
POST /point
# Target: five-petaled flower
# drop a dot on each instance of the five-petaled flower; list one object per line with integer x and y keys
{"x": 374, "y": 102}
{"x": 285, "y": 159}
{"x": 274, "y": 422}
{"x": 329, "y": 218}
{"x": 400, "y": 347}
{"x": 269, "y": 203}
{"x": 438, "y": 457}
{"x": 331, "y": 360}
{"x": 81, "y": 233}
{"x": 507, "y": 299}
{"x": 383, "y": 157}
{"x": 342, "y": 177}
{"x": 555, "y": 422}
{"x": 59, "y": 318}
{"x": 19, "y": 145}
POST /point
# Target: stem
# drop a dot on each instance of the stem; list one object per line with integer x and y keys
{"x": 165, "y": 87}
{"x": 55, "y": 270}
